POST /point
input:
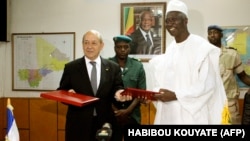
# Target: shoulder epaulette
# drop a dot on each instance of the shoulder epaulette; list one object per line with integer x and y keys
{"x": 232, "y": 48}
{"x": 136, "y": 59}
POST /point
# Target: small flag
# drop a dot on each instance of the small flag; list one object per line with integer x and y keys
{"x": 129, "y": 20}
{"x": 12, "y": 130}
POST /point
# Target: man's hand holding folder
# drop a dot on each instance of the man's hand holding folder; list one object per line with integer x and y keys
{"x": 130, "y": 93}
{"x": 146, "y": 96}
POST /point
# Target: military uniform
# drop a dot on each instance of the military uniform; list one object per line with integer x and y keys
{"x": 230, "y": 64}
{"x": 133, "y": 76}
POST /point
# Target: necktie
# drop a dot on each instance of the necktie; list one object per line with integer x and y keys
{"x": 93, "y": 78}
{"x": 149, "y": 43}
{"x": 148, "y": 40}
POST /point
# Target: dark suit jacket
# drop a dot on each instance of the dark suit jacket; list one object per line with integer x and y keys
{"x": 79, "y": 119}
{"x": 139, "y": 44}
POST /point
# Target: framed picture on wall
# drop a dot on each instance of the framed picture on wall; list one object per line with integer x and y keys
{"x": 38, "y": 59}
{"x": 237, "y": 37}
{"x": 144, "y": 23}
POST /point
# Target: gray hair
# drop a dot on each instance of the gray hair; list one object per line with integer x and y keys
{"x": 97, "y": 33}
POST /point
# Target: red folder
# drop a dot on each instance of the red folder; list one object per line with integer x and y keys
{"x": 69, "y": 98}
{"x": 139, "y": 93}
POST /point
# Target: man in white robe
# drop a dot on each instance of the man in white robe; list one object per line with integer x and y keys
{"x": 187, "y": 75}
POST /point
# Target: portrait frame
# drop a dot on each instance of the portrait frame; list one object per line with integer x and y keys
{"x": 130, "y": 20}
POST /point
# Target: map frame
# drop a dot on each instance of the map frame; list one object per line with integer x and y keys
{"x": 238, "y": 37}
{"x": 25, "y": 56}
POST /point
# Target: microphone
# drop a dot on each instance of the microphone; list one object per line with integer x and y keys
{"x": 105, "y": 133}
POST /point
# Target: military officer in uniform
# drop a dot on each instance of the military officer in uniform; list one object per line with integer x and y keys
{"x": 230, "y": 65}
{"x": 133, "y": 75}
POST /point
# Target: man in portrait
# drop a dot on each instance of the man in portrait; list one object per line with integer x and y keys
{"x": 144, "y": 40}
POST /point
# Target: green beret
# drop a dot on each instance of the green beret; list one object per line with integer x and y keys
{"x": 122, "y": 38}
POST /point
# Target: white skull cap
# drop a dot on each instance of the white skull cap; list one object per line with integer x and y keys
{"x": 177, "y": 5}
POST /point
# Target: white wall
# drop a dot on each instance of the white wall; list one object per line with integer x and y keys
{"x": 37, "y": 16}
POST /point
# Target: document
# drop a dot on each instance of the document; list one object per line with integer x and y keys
{"x": 139, "y": 93}
{"x": 69, "y": 98}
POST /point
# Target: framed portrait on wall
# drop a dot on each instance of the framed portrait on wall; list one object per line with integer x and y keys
{"x": 144, "y": 23}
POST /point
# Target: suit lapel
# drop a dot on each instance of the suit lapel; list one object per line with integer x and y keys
{"x": 104, "y": 73}
{"x": 82, "y": 68}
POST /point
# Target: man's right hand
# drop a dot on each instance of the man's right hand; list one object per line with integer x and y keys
{"x": 120, "y": 97}
{"x": 71, "y": 91}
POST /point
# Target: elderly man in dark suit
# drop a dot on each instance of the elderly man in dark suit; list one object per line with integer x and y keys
{"x": 82, "y": 123}
{"x": 143, "y": 39}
